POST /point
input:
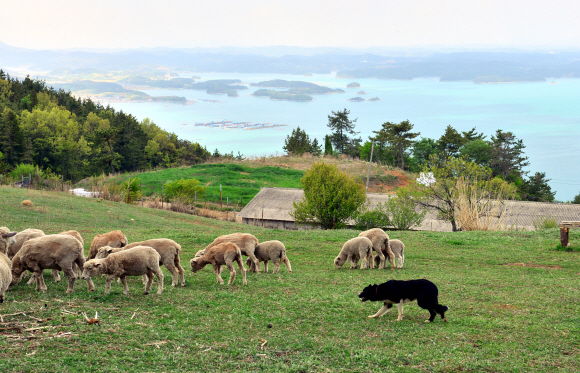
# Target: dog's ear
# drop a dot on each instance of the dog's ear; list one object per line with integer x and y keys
{"x": 375, "y": 285}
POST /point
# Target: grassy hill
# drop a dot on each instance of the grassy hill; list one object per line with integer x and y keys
{"x": 514, "y": 303}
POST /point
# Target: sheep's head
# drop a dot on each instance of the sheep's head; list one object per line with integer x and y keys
{"x": 17, "y": 271}
{"x": 339, "y": 262}
{"x": 6, "y": 239}
{"x": 104, "y": 252}
{"x": 92, "y": 268}
{"x": 196, "y": 265}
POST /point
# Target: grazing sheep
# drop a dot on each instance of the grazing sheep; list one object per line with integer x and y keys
{"x": 5, "y": 275}
{"x": 168, "y": 249}
{"x": 112, "y": 239}
{"x": 20, "y": 238}
{"x": 7, "y": 239}
{"x": 245, "y": 241}
{"x": 224, "y": 253}
{"x": 56, "y": 251}
{"x": 380, "y": 241}
{"x": 76, "y": 235}
{"x": 270, "y": 250}
{"x": 398, "y": 249}
{"x": 137, "y": 261}
{"x": 354, "y": 250}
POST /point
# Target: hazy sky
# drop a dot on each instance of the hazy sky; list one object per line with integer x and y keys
{"x": 333, "y": 23}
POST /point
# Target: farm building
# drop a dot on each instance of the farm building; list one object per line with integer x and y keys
{"x": 271, "y": 208}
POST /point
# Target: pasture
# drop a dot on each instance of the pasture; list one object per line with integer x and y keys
{"x": 514, "y": 303}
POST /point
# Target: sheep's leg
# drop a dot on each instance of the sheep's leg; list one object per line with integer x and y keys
{"x": 391, "y": 256}
{"x": 70, "y": 274}
{"x": 256, "y": 261}
{"x": 288, "y": 266}
{"x": 276, "y": 265}
{"x": 159, "y": 275}
{"x": 353, "y": 264}
{"x": 32, "y": 279}
{"x": 180, "y": 270}
{"x": 56, "y": 275}
{"x": 242, "y": 269}
{"x": 232, "y": 272}
{"x": 266, "y": 266}
{"x": 400, "y": 260}
{"x": 40, "y": 285}
{"x": 364, "y": 256}
{"x": 125, "y": 286}
{"x": 382, "y": 259}
{"x": 144, "y": 279}
{"x": 251, "y": 266}
{"x": 217, "y": 269}
{"x": 110, "y": 279}
{"x": 174, "y": 274}
{"x": 371, "y": 263}
{"x": 386, "y": 307}
{"x": 149, "y": 282}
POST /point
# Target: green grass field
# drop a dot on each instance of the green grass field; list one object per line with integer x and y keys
{"x": 502, "y": 318}
{"x": 239, "y": 183}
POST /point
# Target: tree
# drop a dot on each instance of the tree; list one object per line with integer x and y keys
{"x": 315, "y": 148}
{"x": 327, "y": 146}
{"x": 536, "y": 189}
{"x": 342, "y": 127}
{"x": 576, "y": 199}
{"x": 472, "y": 135}
{"x": 400, "y": 136}
{"x": 184, "y": 190}
{"x": 478, "y": 151}
{"x": 451, "y": 184}
{"x": 422, "y": 151}
{"x": 507, "y": 156}
{"x": 330, "y": 196}
{"x": 297, "y": 143}
{"x": 450, "y": 142}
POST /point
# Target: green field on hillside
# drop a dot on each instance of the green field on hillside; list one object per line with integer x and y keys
{"x": 239, "y": 183}
{"x": 514, "y": 303}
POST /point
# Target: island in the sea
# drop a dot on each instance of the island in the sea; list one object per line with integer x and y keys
{"x": 297, "y": 90}
{"x": 353, "y": 85}
{"x": 359, "y": 99}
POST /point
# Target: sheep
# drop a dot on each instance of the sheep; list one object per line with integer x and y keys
{"x": 5, "y": 275}
{"x": 56, "y": 251}
{"x": 353, "y": 250}
{"x": 76, "y": 235}
{"x": 137, "y": 261}
{"x": 6, "y": 239}
{"x": 245, "y": 241}
{"x": 398, "y": 248}
{"x": 112, "y": 239}
{"x": 168, "y": 249}
{"x": 21, "y": 237}
{"x": 270, "y": 250}
{"x": 224, "y": 253}
{"x": 380, "y": 241}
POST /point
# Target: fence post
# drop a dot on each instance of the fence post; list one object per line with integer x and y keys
{"x": 29, "y": 179}
{"x": 221, "y": 204}
{"x": 161, "y": 196}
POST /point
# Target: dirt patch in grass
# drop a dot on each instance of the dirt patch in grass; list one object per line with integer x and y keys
{"x": 245, "y": 173}
{"x": 532, "y": 265}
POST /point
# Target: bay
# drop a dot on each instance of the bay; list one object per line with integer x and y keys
{"x": 545, "y": 115}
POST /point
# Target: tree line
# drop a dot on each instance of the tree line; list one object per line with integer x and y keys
{"x": 73, "y": 138}
{"x": 396, "y": 144}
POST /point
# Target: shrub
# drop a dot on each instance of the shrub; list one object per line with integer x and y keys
{"x": 184, "y": 190}
{"x": 403, "y": 211}
{"x": 24, "y": 170}
{"x": 377, "y": 218}
{"x": 330, "y": 197}
{"x": 544, "y": 222}
{"x": 131, "y": 190}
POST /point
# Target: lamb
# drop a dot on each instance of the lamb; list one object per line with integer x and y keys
{"x": 21, "y": 237}
{"x": 168, "y": 249}
{"x": 112, "y": 239}
{"x": 270, "y": 250}
{"x": 224, "y": 253}
{"x": 245, "y": 241}
{"x": 57, "y": 251}
{"x": 6, "y": 239}
{"x": 5, "y": 275}
{"x": 137, "y": 261}
{"x": 398, "y": 248}
{"x": 353, "y": 250}
{"x": 380, "y": 241}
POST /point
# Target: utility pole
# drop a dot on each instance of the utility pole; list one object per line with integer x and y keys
{"x": 370, "y": 163}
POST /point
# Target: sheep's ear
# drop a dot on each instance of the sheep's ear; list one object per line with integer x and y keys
{"x": 97, "y": 264}
{"x": 6, "y": 235}
{"x": 109, "y": 250}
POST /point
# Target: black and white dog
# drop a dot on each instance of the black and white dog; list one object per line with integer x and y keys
{"x": 399, "y": 292}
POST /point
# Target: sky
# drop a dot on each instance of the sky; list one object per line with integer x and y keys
{"x": 65, "y": 24}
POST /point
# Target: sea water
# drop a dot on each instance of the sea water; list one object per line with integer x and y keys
{"x": 545, "y": 115}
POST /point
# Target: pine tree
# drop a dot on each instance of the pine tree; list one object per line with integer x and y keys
{"x": 342, "y": 127}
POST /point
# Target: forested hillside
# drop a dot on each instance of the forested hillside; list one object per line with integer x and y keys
{"x": 75, "y": 138}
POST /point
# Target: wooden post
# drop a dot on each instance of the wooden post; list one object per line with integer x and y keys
{"x": 161, "y": 196}
{"x": 564, "y": 237}
{"x": 370, "y": 163}
{"x": 221, "y": 204}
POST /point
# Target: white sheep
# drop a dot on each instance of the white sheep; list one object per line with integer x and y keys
{"x": 112, "y": 239}
{"x": 380, "y": 241}
{"x": 354, "y": 250}
{"x": 225, "y": 253}
{"x": 397, "y": 247}
{"x": 56, "y": 251}
{"x": 20, "y": 238}
{"x": 168, "y": 249}
{"x": 137, "y": 261}
{"x": 270, "y": 250}
{"x": 245, "y": 241}
{"x": 5, "y": 275}
{"x": 6, "y": 239}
